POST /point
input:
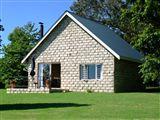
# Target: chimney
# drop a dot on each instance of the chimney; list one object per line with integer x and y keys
{"x": 41, "y": 29}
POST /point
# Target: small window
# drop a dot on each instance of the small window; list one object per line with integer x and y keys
{"x": 91, "y": 71}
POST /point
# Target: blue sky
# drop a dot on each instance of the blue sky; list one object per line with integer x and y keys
{"x": 19, "y": 12}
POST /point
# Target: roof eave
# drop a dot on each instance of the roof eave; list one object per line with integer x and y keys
{"x": 131, "y": 59}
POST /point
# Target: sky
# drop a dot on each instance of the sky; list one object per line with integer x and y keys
{"x": 15, "y": 13}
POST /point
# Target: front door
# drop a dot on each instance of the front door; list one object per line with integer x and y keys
{"x": 55, "y": 75}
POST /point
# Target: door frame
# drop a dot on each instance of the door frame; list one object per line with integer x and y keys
{"x": 50, "y": 72}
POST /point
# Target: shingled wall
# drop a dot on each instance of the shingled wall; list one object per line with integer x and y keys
{"x": 71, "y": 46}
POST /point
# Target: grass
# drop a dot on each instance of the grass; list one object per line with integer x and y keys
{"x": 79, "y": 106}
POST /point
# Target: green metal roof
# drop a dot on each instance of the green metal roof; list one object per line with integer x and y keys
{"x": 111, "y": 39}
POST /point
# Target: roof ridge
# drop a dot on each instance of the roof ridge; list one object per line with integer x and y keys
{"x": 98, "y": 22}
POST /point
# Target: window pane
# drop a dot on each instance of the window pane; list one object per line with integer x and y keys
{"x": 46, "y": 71}
{"x": 40, "y": 72}
{"x": 40, "y": 75}
{"x": 86, "y": 72}
{"x": 99, "y": 70}
{"x": 81, "y": 72}
{"x": 91, "y": 71}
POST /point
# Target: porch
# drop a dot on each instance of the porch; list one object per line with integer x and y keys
{"x": 48, "y": 80}
{"x": 28, "y": 90}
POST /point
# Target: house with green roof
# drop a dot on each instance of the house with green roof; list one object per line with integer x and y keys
{"x": 78, "y": 54}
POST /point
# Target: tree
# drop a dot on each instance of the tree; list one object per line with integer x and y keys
{"x": 106, "y": 12}
{"x": 22, "y": 40}
{"x": 1, "y": 29}
{"x": 139, "y": 22}
{"x": 143, "y": 18}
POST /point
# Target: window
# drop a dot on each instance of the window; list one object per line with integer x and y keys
{"x": 91, "y": 71}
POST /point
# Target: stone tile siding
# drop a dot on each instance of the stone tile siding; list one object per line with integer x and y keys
{"x": 26, "y": 90}
{"x": 71, "y": 46}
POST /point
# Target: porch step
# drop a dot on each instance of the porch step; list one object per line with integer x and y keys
{"x": 58, "y": 90}
{"x": 27, "y": 90}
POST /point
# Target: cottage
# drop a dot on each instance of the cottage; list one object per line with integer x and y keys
{"x": 78, "y": 54}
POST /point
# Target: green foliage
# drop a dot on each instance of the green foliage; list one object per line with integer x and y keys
{"x": 147, "y": 41}
{"x": 22, "y": 40}
{"x": 143, "y": 21}
{"x": 105, "y": 11}
{"x": 150, "y": 69}
{"x": 89, "y": 91}
{"x": 140, "y": 15}
{"x": 1, "y": 27}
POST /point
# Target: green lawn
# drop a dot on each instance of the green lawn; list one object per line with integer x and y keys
{"x": 79, "y": 106}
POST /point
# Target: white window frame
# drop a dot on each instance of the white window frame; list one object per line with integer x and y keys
{"x": 86, "y": 74}
{"x": 101, "y": 73}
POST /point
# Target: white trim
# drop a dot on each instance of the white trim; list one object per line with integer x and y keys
{"x": 82, "y": 26}
{"x": 50, "y": 72}
{"x": 96, "y": 71}
{"x": 86, "y": 72}
{"x": 100, "y": 71}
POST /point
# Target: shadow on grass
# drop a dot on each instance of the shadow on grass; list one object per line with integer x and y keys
{"x": 146, "y": 90}
{"x": 27, "y": 106}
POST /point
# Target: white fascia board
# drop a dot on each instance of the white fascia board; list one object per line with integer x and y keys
{"x": 94, "y": 36}
{"x": 82, "y": 26}
{"x": 43, "y": 38}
